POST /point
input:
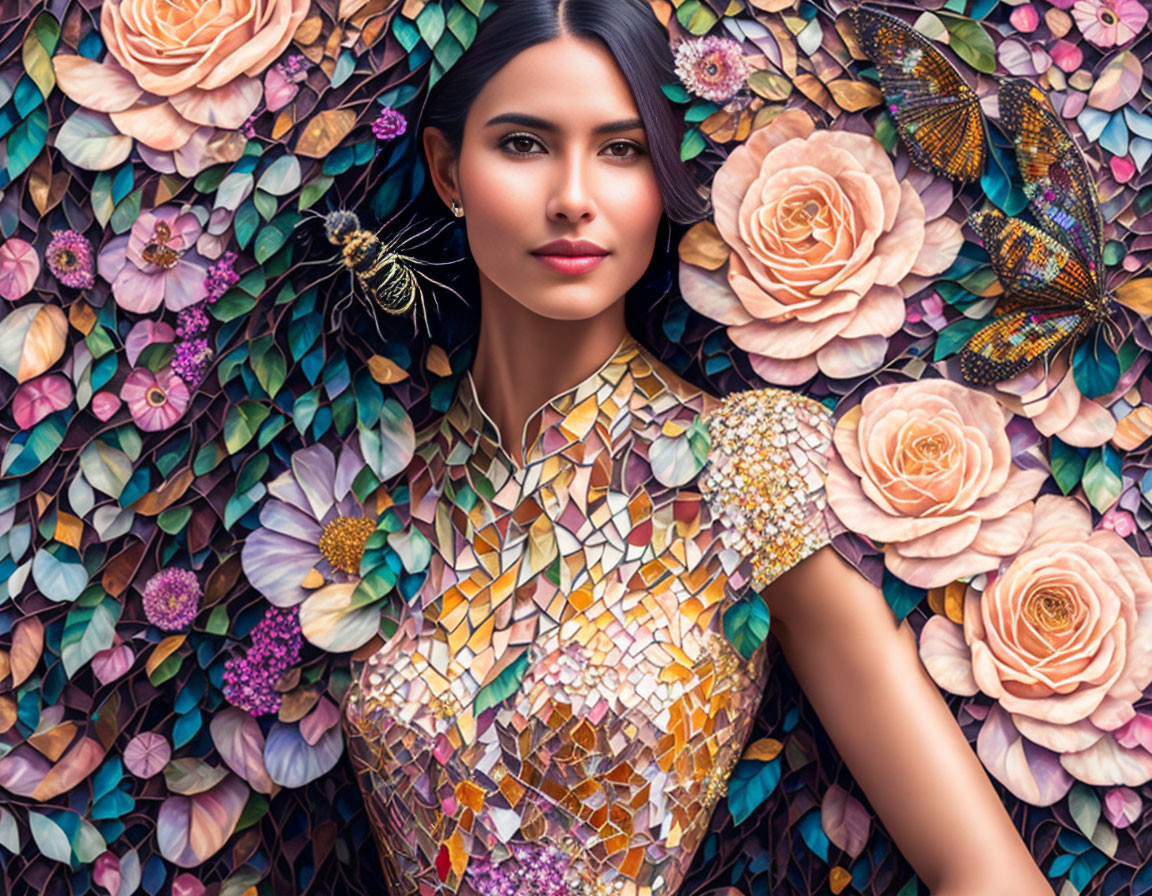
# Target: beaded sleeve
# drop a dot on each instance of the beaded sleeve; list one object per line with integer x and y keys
{"x": 765, "y": 478}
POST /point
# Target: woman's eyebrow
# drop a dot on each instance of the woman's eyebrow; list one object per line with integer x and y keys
{"x": 531, "y": 121}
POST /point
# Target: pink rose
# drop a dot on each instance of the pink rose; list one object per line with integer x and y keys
{"x": 1062, "y": 639}
{"x": 823, "y": 236}
{"x": 175, "y": 68}
{"x": 926, "y": 468}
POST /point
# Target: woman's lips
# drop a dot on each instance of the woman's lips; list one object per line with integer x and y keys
{"x": 571, "y": 264}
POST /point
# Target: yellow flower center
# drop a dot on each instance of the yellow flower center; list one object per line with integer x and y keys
{"x": 342, "y": 542}
{"x": 1049, "y": 609}
{"x": 155, "y": 397}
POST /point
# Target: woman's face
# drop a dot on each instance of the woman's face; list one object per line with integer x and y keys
{"x": 554, "y": 149}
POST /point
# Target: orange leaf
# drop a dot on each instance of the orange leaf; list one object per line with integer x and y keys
{"x": 163, "y": 650}
{"x": 386, "y": 371}
{"x": 1137, "y": 295}
{"x": 163, "y": 496}
{"x": 704, "y": 247}
{"x": 77, "y": 765}
{"x": 324, "y": 132}
{"x": 852, "y": 96}
{"x": 27, "y": 645}
{"x": 764, "y": 750}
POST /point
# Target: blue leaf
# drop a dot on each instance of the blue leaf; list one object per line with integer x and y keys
{"x": 999, "y": 180}
{"x": 813, "y": 834}
{"x": 751, "y": 783}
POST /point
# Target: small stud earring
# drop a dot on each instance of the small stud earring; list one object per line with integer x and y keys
{"x": 457, "y": 209}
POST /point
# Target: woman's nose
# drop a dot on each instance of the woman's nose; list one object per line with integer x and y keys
{"x": 573, "y": 190}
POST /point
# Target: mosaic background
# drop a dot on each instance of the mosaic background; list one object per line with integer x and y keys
{"x": 174, "y": 324}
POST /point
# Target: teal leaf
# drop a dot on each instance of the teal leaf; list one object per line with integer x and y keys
{"x": 751, "y": 783}
{"x": 1095, "y": 367}
{"x": 746, "y": 624}
{"x": 955, "y": 336}
{"x": 50, "y": 837}
{"x": 675, "y": 92}
{"x": 1067, "y": 465}
{"x": 902, "y": 597}
{"x": 692, "y": 145}
{"x": 813, "y": 834}
{"x": 88, "y": 628}
{"x": 58, "y": 579}
{"x": 1000, "y": 180}
{"x": 503, "y": 686}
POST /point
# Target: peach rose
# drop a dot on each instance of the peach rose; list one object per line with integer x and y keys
{"x": 1062, "y": 640}
{"x": 174, "y": 68}
{"x": 823, "y": 235}
{"x": 926, "y": 468}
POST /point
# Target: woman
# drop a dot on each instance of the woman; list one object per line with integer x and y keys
{"x": 561, "y": 706}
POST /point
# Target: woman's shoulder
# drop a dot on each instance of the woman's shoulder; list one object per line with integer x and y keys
{"x": 768, "y": 459}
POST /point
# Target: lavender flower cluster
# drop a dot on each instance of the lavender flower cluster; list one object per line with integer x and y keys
{"x": 250, "y": 680}
{"x": 536, "y": 870}
{"x": 193, "y": 354}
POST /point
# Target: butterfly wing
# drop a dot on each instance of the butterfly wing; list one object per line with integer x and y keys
{"x": 1012, "y": 341}
{"x": 1034, "y": 269}
{"x": 1061, "y": 190}
{"x": 937, "y": 114}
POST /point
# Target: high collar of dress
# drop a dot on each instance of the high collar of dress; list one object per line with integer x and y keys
{"x": 560, "y": 420}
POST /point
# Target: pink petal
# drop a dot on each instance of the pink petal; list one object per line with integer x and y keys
{"x": 845, "y": 821}
{"x": 784, "y": 373}
{"x": 319, "y": 721}
{"x": 38, "y": 398}
{"x": 106, "y": 872}
{"x": 1107, "y": 763}
{"x": 101, "y": 86}
{"x": 146, "y": 754}
{"x": 143, "y": 334}
{"x": 113, "y": 662}
{"x": 225, "y": 107}
{"x": 1032, "y": 773}
{"x": 278, "y": 90}
{"x": 946, "y": 656}
{"x": 192, "y": 829}
{"x": 159, "y": 125}
{"x": 136, "y": 291}
{"x": 105, "y": 404}
{"x": 1122, "y": 806}
{"x": 240, "y": 743}
{"x": 187, "y": 885}
{"x": 847, "y": 358}
{"x": 708, "y": 293}
{"x": 19, "y": 268}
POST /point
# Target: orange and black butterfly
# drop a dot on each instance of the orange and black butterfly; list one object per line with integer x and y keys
{"x": 1052, "y": 271}
{"x": 936, "y": 113}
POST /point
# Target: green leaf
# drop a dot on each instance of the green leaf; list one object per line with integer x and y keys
{"x": 971, "y": 42}
{"x": 746, "y": 625}
{"x": 955, "y": 336}
{"x": 241, "y": 423}
{"x": 88, "y": 628}
{"x": 231, "y": 305}
{"x": 240, "y": 504}
{"x": 1102, "y": 482}
{"x": 885, "y": 131}
{"x": 697, "y": 112}
{"x": 431, "y": 23}
{"x": 314, "y": 190}
{"x": 1085, "y": 808}
{"x": 462, "y": 24}
{"x": 265, "y": 204}
{"x": 270, "y": 369}
{"x": 127, "y": 211}
{"x": 692, "y": 145}
{"x": 102, "y": 203}
{"x": 503, "y": 686}
{"x": 174, "y": 519}
{"x": 697, "y": 18}
{"x": 245, "y": 222}
{"x": 26, "y": 141}
{"x": 902, "y": 597}
{"x": 37, "y": 50}
{"x": 1067, "y": 465}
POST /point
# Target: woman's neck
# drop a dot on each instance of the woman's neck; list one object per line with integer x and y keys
{"x": 524, "y": 359}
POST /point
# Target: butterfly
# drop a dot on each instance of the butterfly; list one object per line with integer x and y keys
{"x": 936, "y": 113}
{"x": 1052, "y": 271}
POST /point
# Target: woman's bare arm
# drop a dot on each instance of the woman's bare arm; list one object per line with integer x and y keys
{"x": 863, "y": 675}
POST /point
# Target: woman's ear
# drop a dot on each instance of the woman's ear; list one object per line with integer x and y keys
{"x": 442, "y": 165}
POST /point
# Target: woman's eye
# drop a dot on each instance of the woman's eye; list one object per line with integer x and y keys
{"x": 521, "y": 144}
{"x": 626, "y": 145}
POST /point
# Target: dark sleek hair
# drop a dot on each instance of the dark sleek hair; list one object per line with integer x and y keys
{"x": 654, "y": 312}
{"x": 637, "y": 41}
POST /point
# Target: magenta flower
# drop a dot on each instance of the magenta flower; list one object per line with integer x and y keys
{"x": 171, "y": 599}
{"x": 250, "y": 680}
{"x": 156, "y": 400}
{"x": 389, "y": 124}
{"x": 156, "y": 263}
{"x": 711, "y": 67}
{"x": 1110, "y": 23}
{"x": 69, "y": 258}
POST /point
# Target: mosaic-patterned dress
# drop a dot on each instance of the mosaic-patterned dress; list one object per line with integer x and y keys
{"x": 563, "y": 702}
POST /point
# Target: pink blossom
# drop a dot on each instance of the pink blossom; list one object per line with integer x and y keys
{"x": 1109, "y": 23}
{"x": 156, "y": 263}
{"x": 156, "y": 400}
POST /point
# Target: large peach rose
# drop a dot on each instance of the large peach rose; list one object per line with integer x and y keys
{"x": 823, "y": 236}
{"x": 926, "y": 468}
{"x": 1062, "y": 640}
{"x": 176, "y": 67}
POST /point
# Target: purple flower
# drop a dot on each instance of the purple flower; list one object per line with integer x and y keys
{"x": 191, "y": 322}
{"x": 69, "y": 258}
{"x": 221, "y": 277}
{"x": 711, "y": 67}
{"x": 250, "y": 680}
{"x": 156, "y": 263}
{"x": 171, "y": 599}
{"x": 192, "y": 359}
{"x": 389, "y": 124}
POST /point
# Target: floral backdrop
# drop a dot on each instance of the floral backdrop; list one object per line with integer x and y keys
{"x": 180, "y": 341}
